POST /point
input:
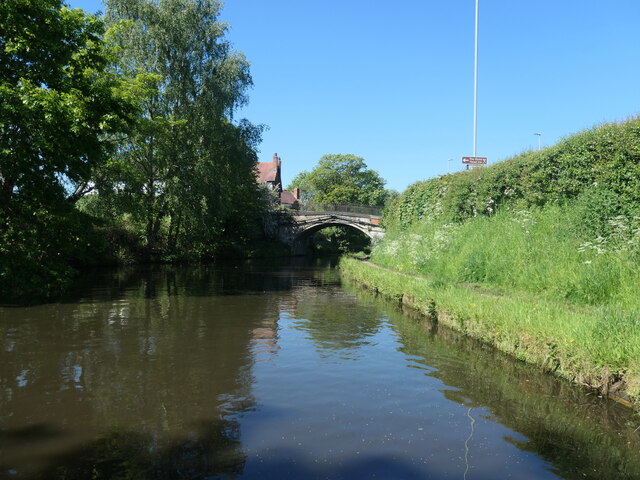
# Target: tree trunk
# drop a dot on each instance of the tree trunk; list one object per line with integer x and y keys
{"x": 6, "y": 192}
{"x": 174, "y": 232}
{"x": 149, "y": 230}
{"x": 81, "y": 190}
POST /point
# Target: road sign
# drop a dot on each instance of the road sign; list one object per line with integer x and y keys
{"x": 474, "y": 160}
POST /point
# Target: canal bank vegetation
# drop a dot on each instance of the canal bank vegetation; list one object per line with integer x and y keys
{"x": 537, "y": 255}
{"x": 118, "y": 141}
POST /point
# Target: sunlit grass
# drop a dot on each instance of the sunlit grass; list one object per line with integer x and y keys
{"x": 533, "y": 251}
{"x": 525, "y": 283}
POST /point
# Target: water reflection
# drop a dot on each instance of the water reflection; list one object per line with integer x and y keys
{"x": 154, "y": 351}
{"x": 321, "y": 314}
{"x": 577, "y": 433}
{"x": 135, "y": 374}
{"x": 249, "y": 372}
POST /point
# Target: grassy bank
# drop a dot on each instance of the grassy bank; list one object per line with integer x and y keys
{"x": 585, "y": 345}
{"x": 537, "y": 255}
{"x": 597, "y": 436}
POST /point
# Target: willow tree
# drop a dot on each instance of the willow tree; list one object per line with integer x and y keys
{"x": 189, "y": 170}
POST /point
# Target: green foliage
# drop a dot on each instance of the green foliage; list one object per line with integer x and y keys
{"x": 607, "y": 157}
{"x": 527, "y": 224}
{"x": 340, "y": 240}
{"x": 144, "y": 122}
{"x": 553, "y": 251}
{"x": 58, "y": 104}
{"x": 421, "y": 201}
{"x": 341, "y": 179}
{"x": 560, "y": 226}
{"x": 593, "y": 210}
{"x": 186, "y": 175}
{"x": 39, "y": 248}
{"x": 303, "y": 181}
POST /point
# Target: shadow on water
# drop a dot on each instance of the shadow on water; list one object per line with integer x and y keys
{"x": 214, "y": 452}
{"x": 224, "y": 278}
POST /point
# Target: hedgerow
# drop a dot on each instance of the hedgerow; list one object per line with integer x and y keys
{"x": 606, "y": 157}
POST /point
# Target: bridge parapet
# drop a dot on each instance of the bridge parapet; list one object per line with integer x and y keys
{"x": 342, "y": 208}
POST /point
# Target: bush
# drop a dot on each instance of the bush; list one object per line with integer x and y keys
{"x": 40, "y": 249}
{"x": 563, "y": 222}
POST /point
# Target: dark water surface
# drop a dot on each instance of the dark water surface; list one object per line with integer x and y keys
{"x": 274, "y": 372}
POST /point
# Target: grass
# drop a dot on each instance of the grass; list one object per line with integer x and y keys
{"x": 594, "y": 346}
{"x": 537, "y": 250}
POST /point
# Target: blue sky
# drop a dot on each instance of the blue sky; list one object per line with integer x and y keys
{"x": 392, "y": 82}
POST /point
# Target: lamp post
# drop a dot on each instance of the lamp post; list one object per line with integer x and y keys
{"x": 475, "y": 86}
{"x": 539, "y": 135}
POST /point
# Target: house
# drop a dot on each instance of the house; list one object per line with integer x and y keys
{"x": 270, "y": 173}
{"x": 290, "y": 199}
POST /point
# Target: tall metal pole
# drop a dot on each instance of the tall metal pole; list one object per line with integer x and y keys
{"x": 475, "y": 88}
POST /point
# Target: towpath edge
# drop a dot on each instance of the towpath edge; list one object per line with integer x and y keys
{"x": 516, "y": 323}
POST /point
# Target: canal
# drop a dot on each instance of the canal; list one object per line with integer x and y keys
{"x": 272, "y": 371}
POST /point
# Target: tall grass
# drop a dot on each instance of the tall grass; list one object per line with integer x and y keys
{"x": 542, "y": 250}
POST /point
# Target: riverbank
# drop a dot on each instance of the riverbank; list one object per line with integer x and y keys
{"x": 582, "y": 344}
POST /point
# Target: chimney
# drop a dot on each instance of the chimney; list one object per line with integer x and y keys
{"x": 296, "y": 193}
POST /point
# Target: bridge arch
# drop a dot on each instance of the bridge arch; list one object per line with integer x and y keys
{"x": 301, "y": 225}
{"x": 303, "y": 243}
{"x": 308, "y": 230}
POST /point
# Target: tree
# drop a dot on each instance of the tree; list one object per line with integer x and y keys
{"x": 58, "y": 105}
{"x": 57, "y": 101}
{"x": 189, "y": 169}
{"x": 342, "y": 179}
{"x": 307, "y": 189}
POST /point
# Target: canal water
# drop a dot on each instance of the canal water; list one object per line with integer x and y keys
{"x": 258, "y": 371}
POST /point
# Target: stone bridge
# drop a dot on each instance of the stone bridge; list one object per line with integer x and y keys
{"x": 296, "y": 226}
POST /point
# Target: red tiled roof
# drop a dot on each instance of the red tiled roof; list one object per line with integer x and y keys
{"x": 267, "y": 171}
{"x": 287, "y": 198}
